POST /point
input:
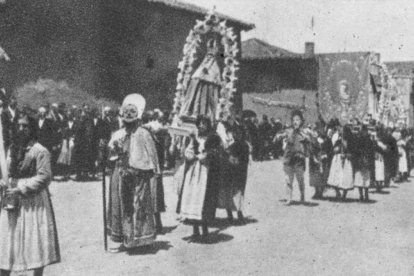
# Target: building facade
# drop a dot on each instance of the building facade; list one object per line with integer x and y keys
{"x": 106, "y": 47}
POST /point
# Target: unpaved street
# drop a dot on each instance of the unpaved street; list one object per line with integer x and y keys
{"x": 319, "y": 238}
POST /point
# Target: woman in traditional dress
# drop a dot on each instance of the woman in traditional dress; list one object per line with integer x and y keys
{"x": 363, "y": 162}
{"x": 390, "y": 157}
{"x": 28, "y": 236}
{"x": 66, "y": 153}
{"x": 131, "y": 210}
{"x": 341, "y": 173}
{"x": 402, "y": 156}
{"x": 320, "y": 156}
{"x": 234, "y": 165}
{"x": 381, "y": 150}
{"x": 238, "y": 154}
{"x": 198, "y": 198}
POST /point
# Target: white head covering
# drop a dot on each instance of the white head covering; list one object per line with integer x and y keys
{"x": 132, "y": 108}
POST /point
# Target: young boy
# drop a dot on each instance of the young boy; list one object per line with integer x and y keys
{"x": 296, "y": 140}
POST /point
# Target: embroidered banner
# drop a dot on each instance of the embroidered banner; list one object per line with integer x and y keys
{"x": 344, "y": 86}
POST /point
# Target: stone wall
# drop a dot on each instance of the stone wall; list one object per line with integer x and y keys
{"x": 105, "y": 47}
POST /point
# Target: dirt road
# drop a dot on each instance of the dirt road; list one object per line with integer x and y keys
{"x": 319, "y": 238}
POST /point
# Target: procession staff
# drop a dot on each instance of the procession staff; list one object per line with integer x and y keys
{"x": 296, "y": 141}
{"x": 28, "y": 236}
{"x": 131, "y": 210}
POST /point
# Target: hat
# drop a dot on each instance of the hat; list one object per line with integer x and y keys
{"x": 132, "y": 107}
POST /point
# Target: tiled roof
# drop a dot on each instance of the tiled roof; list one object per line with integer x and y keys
{"x": 401, "y": 67}
{"x": 258, "y": 49}
{"x": 181, "y": 5}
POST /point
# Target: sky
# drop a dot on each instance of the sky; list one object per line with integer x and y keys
{"x": 383, "y": 26}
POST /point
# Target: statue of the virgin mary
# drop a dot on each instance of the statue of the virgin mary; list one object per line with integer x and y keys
{"x": 203, "y": 93}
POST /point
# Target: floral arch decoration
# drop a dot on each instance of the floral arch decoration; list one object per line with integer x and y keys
{"x": 196, "y": 40}
{"x": 391, "y": 108}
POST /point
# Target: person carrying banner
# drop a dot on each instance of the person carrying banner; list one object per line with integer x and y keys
{"x": 198, "y": 198}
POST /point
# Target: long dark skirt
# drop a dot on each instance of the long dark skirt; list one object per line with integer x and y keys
{"x": 232, "y": 186}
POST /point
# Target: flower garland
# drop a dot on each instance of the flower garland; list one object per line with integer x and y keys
{"x": 211, "y": 24}
{"x": 390, "y": 106}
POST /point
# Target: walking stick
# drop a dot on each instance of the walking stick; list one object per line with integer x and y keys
{"x": 104, "y": 205}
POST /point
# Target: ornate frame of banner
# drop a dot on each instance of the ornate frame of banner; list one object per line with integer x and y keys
{"x": 194, "y": 43}
{"x": 344, "y": 85}
{"x": 391, "y": 107}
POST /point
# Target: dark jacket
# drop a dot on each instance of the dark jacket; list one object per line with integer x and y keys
{"x": 46, "y": 134}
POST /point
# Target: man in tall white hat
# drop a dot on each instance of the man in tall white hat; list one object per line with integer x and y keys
{"x": 131, "y": 214}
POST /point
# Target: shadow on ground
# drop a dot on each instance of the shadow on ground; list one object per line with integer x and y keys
{"x": 300, "y": 203}
{"x": 381, "y": 192}
{"x": 212, "y": 238}
{"x": 224, "y": 223}
{"x": 151, "y": 249}
{"x": 350, "y": 200}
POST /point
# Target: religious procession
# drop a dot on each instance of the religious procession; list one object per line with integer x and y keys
{"x": 180, "y": 142}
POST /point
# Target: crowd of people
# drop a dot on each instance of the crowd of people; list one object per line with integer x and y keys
{"x": 357, "y": 154}
{"x": 137, "y": 146}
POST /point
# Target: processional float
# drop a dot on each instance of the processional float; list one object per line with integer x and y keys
{"x": 206, "y": 82}
{"x": 394, "y": 98}
{"x": 5, "y": 201}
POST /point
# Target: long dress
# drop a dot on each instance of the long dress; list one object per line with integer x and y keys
{"x": 379, "y": 167}
{"x": 364, "y": 161}
{"x": 198, "y": 198}
{"x": 203, "y": 93}
{"x": 402, "y": 161}
{"x": 239, "y": 163}
{"x": 320, "y": 162}
{"x": 234, "y": 162}
{"x": 66, "y": 152}
{"x": 28, "y": 235}
{"x": 131, "y": 209}
{"x": 341, "y": 172}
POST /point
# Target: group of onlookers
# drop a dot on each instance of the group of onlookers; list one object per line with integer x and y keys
{"x": 261, "y": 137}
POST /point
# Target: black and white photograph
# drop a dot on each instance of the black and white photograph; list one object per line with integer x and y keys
{"x": 206, "y": 137}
